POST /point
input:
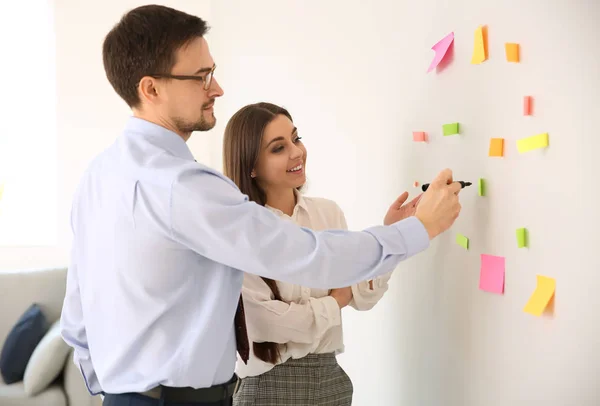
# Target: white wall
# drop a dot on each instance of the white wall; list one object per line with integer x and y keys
{"x": 352, "y": 74}
{"x": 28, "y": 117}
{"x": 90, "y": 114}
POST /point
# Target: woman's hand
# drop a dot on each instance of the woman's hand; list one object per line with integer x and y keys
{"x": 400, "y": 211}
{"x": 342, "y": 295}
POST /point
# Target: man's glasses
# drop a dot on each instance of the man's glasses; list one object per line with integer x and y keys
{"x": 206, "y": 79}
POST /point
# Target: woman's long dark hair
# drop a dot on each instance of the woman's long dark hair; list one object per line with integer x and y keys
{"x": 241, "y": 147}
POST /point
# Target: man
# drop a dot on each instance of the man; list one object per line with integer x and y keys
{"x": 161, "y": 242}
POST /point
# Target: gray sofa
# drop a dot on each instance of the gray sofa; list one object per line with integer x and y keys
{"x": 18, "y": 290}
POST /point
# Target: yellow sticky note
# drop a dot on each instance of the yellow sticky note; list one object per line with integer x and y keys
{"x": 512, "y": 52}
{"x": 541, "y": 296}
{"x": 531, "y": 143}
{"x": 462, "y": 241}
{"x": 480, "y": 46}
{"x": 496, "y": 147}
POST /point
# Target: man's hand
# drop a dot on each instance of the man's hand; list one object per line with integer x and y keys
{"x": 400, "y": 211}
{"x": 439, "y": 206}
{"x": 342, "y": 295}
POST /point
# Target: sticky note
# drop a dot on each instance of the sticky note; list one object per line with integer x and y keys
{"x": 450, "y": 129}
{"x": 496, "y": 147}
{"x": 440, "y": 48}
{"x": 512, "y": 52}
{"x": 480, "y": 46}
{"x": 481, "y": 187}
{"x": 491, "y": 276}
{"x": 521, "y": 237}
{"x": 419, "y": 136}
{"x": 541, "y": 296}
{"x": 527, "y": 105}
{"x": 462, "y": 241}
{"x": 533, "y": 142}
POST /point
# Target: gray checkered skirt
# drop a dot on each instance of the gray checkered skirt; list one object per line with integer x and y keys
{"x": 314, "y": 380}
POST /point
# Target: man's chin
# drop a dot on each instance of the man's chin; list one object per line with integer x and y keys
{"x": 206, "y": 124}
{"x": 209, "y": 119}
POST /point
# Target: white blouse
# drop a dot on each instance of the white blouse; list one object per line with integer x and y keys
{"x": 307, "y": 320}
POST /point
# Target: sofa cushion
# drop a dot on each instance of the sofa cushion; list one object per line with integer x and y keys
{"x": 46, "y": 362}
{"x": 20, "y": 288}
{"x": 14, "y": 395}
{"x": 20, "y": 344}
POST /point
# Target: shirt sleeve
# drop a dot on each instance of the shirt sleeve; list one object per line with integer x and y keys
{"x": 363, "y": 296}
{"x": 210, "y": 216}
{"x": 73, "y": 329}
{"x": 280, "y": 322}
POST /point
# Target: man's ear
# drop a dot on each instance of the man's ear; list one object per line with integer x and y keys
{"x": 149, "y": 89}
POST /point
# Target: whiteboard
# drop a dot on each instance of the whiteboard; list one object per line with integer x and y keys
{"x": 353, "y": 75}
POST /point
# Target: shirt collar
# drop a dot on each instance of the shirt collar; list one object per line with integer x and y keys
{"x": 300, "y": 204}
{"x": 160, "y": 136}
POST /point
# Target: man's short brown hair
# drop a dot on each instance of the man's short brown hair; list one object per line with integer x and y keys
{"x": 145, "y": 42}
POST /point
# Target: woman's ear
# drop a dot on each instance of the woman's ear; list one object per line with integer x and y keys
{"x": 253, "y": 174}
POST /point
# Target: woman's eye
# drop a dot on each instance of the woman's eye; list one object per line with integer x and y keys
{"x": 297, "y": 139}
{"x": 278, "y": 149}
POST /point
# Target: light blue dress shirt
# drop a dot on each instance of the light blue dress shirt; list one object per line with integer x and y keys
{"x": 160, "y": 244}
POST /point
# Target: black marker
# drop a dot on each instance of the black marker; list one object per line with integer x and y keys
{"x": 462, "y": 183}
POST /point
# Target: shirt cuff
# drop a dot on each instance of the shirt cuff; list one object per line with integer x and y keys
{"x": 416, "y": 237}
{"x": 334, "y": 315}
{"x": 89, "y": 377}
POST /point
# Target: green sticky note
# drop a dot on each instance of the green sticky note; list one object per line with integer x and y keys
{"x": 450, "y": 129}
{"x": 521, "y": 237}
{"x": 481, "y": 187}
{"x": 462, "y": 241}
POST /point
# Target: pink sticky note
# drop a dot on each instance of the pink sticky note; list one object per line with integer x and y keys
{"x": 440, "y": 50}
{"x": 491, "y": 277}
{"x": 527, "y": 102}
{"x": 419, "y": 136}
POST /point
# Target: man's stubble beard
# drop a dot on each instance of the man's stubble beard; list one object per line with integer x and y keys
{"x": 200, "y": 125}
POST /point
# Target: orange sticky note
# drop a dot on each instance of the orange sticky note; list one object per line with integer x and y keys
{"x": 512, "y": 52}
{"x": 496, "y": 147}
{"x": 541, "y": 296}
{"x": 480, "y": 53}
{"x": 527, "y": 105}
{"x": 419, "y": 136}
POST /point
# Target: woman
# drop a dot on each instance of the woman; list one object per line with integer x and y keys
{"x": 295, "y": 331}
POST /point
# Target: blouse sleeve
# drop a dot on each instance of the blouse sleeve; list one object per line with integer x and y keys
{"x": 281, "y": 322}
{"x": 365, "y": 294}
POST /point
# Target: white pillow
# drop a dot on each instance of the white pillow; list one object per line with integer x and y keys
{"x": 46, "y": 362}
